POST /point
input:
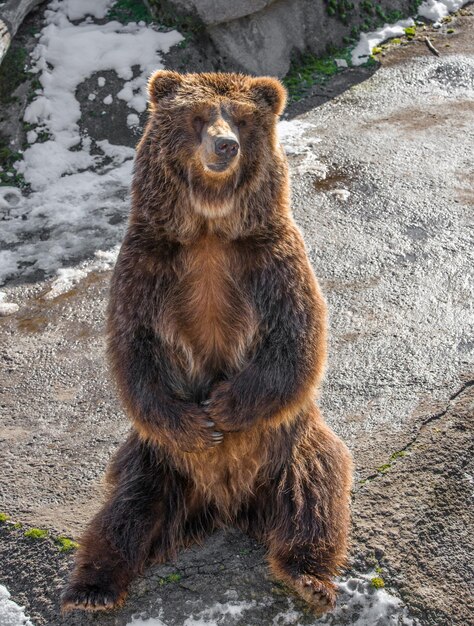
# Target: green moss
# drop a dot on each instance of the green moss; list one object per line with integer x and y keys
{"x": 396, "y": 41}
{"x": 366, "y": 6}
{"x": 450, "y": 31}
{"x": 371, "y": 62}
{"x": 186, "y": 22}
{"x": 376, "y": 50}
{"x": 8, "y": 173}
{"x": 379, "y": 11}
{"x": 36, "y": 533}
{"x": 65, "y": 544}
{"x": 340, "y": 9}
{"x": 378, "y": 569}
{"x": 126, "y": 11}
{"x": 410, "y": 31}
{"x": 378, "y": 582}
{"x": 309, "y": 70}
{"x": 171, "y": 578}
{"x": 394, "y": 16}
{"x": 414, "y": 6}
{"x": 4, "y": 517}
{"x": 398, "y": 455}
{"x": 17, "y": 525}
{"x": 383, "y": 469}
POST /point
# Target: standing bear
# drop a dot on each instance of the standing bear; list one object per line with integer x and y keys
{"x": 217, "y": 342}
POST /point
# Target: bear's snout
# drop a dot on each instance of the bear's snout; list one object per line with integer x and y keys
{"x": 226, "y": 147}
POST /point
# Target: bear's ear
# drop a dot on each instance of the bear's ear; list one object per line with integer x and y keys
{"x": 269, "y": 91}
{"x": 163, "y": 83}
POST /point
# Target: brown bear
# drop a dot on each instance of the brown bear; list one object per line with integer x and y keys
{"x": 217, "y": 341}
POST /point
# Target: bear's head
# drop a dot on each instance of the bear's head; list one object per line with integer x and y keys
{"x": 215, "y": 131}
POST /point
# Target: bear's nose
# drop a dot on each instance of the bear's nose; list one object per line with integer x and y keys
{"x": 226, "y": 147}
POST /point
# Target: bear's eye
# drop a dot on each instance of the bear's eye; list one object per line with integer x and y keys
{"x": 242, "y": 123}
{"x": 198, "y": 123}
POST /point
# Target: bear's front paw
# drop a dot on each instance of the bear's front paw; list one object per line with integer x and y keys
{"x": 197, "y": 432}
{"x": 222, "y": 409}
{"x": 320, "y": 594}
{"x": 91, "y": 597}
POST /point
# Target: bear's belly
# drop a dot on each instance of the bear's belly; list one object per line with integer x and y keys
{"x": 212, "y": 323}
{"x": 227, "y": 475}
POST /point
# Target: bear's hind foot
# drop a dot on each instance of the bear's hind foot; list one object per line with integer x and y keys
{"x": 319, "y": 594}
{"x": 98, "y": 595}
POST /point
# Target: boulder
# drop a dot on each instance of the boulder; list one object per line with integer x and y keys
{"x": 261, "y": 36}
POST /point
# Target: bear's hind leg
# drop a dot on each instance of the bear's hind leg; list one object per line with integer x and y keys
{"x": 308, "y": 517}
{"x": 117, "y": 543}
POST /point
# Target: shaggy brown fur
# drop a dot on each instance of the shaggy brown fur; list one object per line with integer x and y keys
{"x": 217, "y": 340}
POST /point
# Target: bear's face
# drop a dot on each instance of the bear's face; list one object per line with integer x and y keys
{"x": 214, "y": 130}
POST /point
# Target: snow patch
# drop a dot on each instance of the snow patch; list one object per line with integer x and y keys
{"x": 293, "y": 136}
{"x": 65, "y": 56}
{"x": 154, "y": 621}
{"x": 73, "y": 211}
{"x": 8, "y": 308}
{"x": 435, "y": 10}
{"x": 108, "y": 99}
{"x": 226, "y": 613}
{"x": 341, "y": 194}
{"x": 78, "y": 9}
{"x": 360, "y": 604}
{"x": 10, "y": 197}
{"x": 368, "y": 41}
{"x": 68, "y": 277}
{"x": 31, "y": 136}
{"x": 10, "y": 613}
{"x": 219, "y": 614}
{"x": 80, "y": 213}
{"x": 132, "y": 120}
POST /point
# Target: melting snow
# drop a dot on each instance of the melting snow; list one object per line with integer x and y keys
{"x": 7, "y": 308}
{"x": 74, "y": 211}
{"x": 434, "y": 10}
{"x": 65, "y": 56}
{"x": 80, "y": 213}
{"x": 10, "y": 613}
{"x": 368, "y": 41}
{"x": 78, "y": 9}
{"x": 219, "y": 614}
{"x": 359, "y": 604}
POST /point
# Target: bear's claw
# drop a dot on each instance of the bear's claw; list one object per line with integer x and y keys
{"x": 90, "y": 598}
{"x": 320, "y": 594}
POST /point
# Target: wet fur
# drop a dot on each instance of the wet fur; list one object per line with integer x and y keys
{"x": 216, "y": 316}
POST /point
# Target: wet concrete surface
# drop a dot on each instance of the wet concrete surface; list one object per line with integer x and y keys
{"x": 395, "y": 261}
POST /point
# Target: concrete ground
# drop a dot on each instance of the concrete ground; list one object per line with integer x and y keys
{"x": 383, "y": 191}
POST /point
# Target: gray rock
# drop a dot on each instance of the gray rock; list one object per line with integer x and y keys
{"x": 263, "y": 42}
{"x": 216, "y": 11}
{"x": 260, "y": 36}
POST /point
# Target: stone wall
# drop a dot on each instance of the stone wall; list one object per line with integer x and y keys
{"x": 260, "y": 36}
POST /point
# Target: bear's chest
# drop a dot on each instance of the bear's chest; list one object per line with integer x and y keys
{"x": 211, "y": 313}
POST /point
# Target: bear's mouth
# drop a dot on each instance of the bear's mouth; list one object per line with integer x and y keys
{"x": 220, "y": 166}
